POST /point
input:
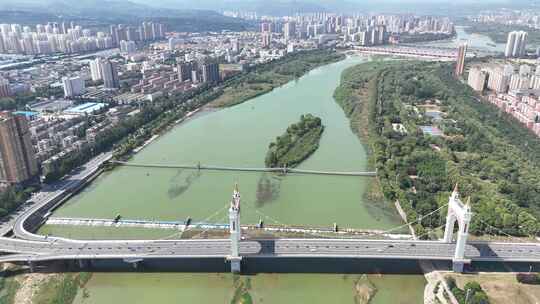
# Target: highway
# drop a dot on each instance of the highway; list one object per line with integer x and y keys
{"x": 51, "y": 193}
{"x": 265, "y": 248}
{"x": 28, "y": 247}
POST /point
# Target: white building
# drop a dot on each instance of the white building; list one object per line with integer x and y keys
{"x": 499, "y": 79}
{"x": 73, "y": 86}
{"x": 128, "y": 47}
{"x": 95, "y": 69}
{"x": 477, "y": 79}
{"x": 109, "y": 73}
{"x": 516, "y": 44}
{"x": 519, "y": 82}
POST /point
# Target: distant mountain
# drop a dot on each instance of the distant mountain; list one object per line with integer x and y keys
{"x": 191, "y": 8}
{"x": 116, "y": 11}
{"x": 287, "y": 7}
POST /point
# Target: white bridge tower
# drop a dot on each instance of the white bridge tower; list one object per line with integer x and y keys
{"x": 234, "y": 228}
{"x": 460, "y": 213}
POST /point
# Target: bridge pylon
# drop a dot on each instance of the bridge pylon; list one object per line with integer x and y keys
{"x": 235, "y": 232}
{"x": 460, "y": 213}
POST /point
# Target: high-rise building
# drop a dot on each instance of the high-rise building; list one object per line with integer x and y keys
{"x": 5, "y": 89}
{"x": 95, "y": 69}
{"x": 73, "y": 86}
{"x": 109, "y": 73}
{"x": 184, "y": 71}
{"x": 210, "y": 73}
{"x": 519, "y": 82}
{"x": 289, "y": 30}
{"x": 499, "y": 78}
{"x": 235, "y": 45}
{"x": 194, "y": 76}
{"x": 477, "y": 79}
{"x": 266, "y": 27}
{"x": 266, "y": 39}
{"x": 17, "y": 159}
{"x": 460, "y": 60}
{"x": 510, "y": 41}
{"x": 115, "y": 35}
{"x": 128, "y": 47}
{"x": 516, "y": 44}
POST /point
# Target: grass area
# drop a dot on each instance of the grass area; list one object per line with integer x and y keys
{"x": 61, "y": 289}
{"x": 502, "y": 288}
{"x": 241, "y": 291}
{"x": 297, "y": 144}
{"x": 8, "y": 289}
{"x": 265, "y": 78}
{"x": 499, "y": 32}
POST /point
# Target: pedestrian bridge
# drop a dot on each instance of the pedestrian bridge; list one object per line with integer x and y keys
{"x": 243, "y": 169}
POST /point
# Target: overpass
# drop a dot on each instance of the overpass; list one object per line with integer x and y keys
{"x": 409, "y": 51}
{"x": 31, "y": 248}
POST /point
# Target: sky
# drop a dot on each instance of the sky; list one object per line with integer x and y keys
{"x": 438, "y": 7}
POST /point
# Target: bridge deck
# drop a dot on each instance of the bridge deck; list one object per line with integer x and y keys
{"x": 277, "y": 248}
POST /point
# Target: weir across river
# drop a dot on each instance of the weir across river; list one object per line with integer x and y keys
{"x": 223, "y": 168}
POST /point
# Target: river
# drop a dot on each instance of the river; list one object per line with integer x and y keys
{"x": 476, "y": 41}
{"x": 239, "y": 136}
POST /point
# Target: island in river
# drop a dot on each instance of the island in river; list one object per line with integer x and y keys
{"x": 299, "y": 141}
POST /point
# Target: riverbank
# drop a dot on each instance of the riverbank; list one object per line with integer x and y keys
{"x": 355, "y": 96}
{"x": 272, "y": 75}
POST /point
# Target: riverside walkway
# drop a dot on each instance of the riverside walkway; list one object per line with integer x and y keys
{"x": 240, "y": 169}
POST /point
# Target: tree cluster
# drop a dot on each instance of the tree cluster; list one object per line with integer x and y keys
{"x": 297, "y": 144}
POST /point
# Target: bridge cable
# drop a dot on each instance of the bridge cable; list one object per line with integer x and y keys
{"x": 420, "y": 218}
{"x": 430, "y": 231}
{"x": 283, "y": 224}
{"x": 224, "y": 218}
{"x": 500, "y": 231}
{"x": 191, "y": 227}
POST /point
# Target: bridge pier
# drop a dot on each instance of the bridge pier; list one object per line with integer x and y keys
{"x": 235, "y": 230}
{"x": 458, "y": 265}
{"x": 32, "y": 265}
{"x": 84, "y": 263}
{"x": 460, "y": 213}
{"x": 236, "y": 264}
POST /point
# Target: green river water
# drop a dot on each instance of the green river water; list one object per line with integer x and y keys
{"x": 239, "y": 136}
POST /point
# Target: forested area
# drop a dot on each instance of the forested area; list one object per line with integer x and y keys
{"x": 492, "y": 158}
{"x": 472, "y": 292}
{"x": 299, "y": 141}
{"x": 12, "y": 197}
{"x": 19, "y": 101}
